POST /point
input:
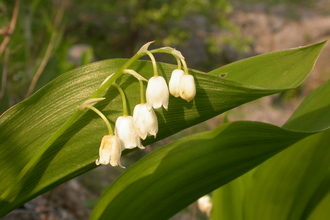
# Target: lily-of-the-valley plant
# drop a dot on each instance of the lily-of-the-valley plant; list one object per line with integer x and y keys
{"x": 130, "y": 129}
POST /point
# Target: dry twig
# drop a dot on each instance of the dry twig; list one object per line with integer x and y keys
{"x": 4, "y": 74}
{"x": 57, "y": 21}
{"x": 10, "y": 28}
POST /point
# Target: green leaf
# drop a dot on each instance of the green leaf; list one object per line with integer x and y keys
{"x": 26, "y": 126}
{"x": 293, "y": 184}
{"x": 288, "y": 186}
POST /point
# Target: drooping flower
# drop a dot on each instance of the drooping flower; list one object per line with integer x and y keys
{"x": 145, "y": 121}
{"x": 187, "y": 87}
{"x": 126, "y": 131}
{"x": 157, "y": 93}
{"x": 175, "y": 81}
{"x": 110, "y": 151}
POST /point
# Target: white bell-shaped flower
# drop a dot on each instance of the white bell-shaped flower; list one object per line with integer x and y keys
{"x": 145, "y": 121}
{"x": 175, "y": 81}
{"x": 157, "y": 93}
{"x": 126, "y": 131}
{"x": 187, "y": 87}
{"x": 110, "y": 151}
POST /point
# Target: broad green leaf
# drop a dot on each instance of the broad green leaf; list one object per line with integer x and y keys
{"x": 293, "y": 184}
{"x": 283, "y": 187}
{"x": 26, "y": 126}
{"x": 178, "y": 174}
{"x": 299, "y": 177}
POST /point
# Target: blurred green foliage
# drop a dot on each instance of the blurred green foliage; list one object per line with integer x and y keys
{"x": 57, "y": 34}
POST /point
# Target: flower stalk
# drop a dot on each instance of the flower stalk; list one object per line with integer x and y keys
{"x": 107, "y": 123}
{"x": 142, "y": 93}
{"x": 123, "y": 98}
{"x": 153, "y": 61}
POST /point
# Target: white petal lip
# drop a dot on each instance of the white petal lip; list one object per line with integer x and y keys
{"x": 157, "y": 93}
{"x": 125, "y": 130}
{"x": 187, "y": 87}
{"x": 175, "y": 81}
{"x": 110, "y": 151}
{"x": 145, "y": 121}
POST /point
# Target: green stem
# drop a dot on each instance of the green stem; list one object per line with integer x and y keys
{"x": 185, "y": 68}
{"x": 179, "y": 62}
{"x": 142, "y": 92}
{"x": 107, "y": 123}
{"x": 123, "y": 97}
{"x": 154, "y": 64}
{"x": 115, "y": 76}
{"x": 179, "y": 59}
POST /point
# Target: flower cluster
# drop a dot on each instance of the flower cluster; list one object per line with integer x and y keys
{"x": 129, "y": 130}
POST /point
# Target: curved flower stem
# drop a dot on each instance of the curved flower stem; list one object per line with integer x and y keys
{"x": 123, "y": 97}
{"x": 106, "y": 121}
{"x": 154, "y": 64}
{"x": 177, "y": 54}
{"x": 185, "y": 68}
{"x": 142, "y": 92}
{"x": 178, "y": 62}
